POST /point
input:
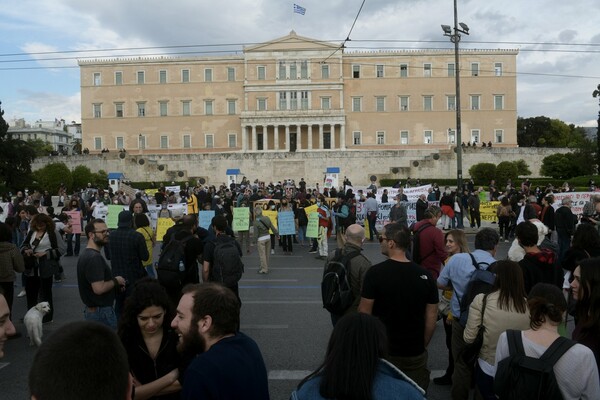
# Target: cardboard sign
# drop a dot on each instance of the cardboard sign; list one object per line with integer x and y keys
{"x": 312, "y": 229}
{"x": 241, "y": 219}
{"x": 272, "y": 215}
{"x": 75, "y": 217}
{"x": 112, "y": 216}
{"x": 162, "y": 224}
{"x": 205, "y": 218}
{"x": 286, "y": 223}
{"x": 311, "y": 209}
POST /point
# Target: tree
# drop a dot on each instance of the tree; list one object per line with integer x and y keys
{"x": 522, "y": 168}
{"x": 52, "y": 175}
{"x": 545, "y": 132}
{"x": 560, "y": 166}
{"x": 82, "y": 175}
{"x": 41, "y": 148}
{"x": 16, "y": 157}
{"x": 506, "y": 170}
{"x": 483, "y": 172}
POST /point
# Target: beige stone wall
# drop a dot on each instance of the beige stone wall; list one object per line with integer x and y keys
{"x": 274, "y": 166}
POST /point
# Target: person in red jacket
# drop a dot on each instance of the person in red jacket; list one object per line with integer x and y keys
{"x": 432, "y": 250}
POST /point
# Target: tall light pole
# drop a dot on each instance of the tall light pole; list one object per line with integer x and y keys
{"x": 597, "y": 94}
{"x": 454, "y": 35}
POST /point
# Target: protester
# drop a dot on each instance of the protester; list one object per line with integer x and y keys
{"x": 262, "y": 225}
{"x": 355, "y": 367}
{"x": 150, "y": 343}
{"x": 7, "y": 329}
{"x": 11, "y": 262}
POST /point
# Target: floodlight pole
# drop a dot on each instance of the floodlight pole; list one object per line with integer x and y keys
{"x": 597, "y": 94}
{"x": 455, "y": 38}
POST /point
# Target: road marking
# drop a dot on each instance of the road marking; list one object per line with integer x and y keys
{"x": 283, "y": 374}
{"x": 269, "y": 280}
{"x": 282, "y": 302}
{"x": 2, "y": 365}
{"x": 293, "y": 268}
{"x": 257, "y": 326}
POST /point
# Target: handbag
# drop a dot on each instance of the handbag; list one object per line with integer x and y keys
{"x": 470, "y": 353}
{"x": 48, "y": 267}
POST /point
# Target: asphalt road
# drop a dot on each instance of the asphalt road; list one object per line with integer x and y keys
{"x": 282, "y": 311}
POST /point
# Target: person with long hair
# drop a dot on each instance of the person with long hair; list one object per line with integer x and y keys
{"x": 40, "y": 245}
{"x": 503, "y": 212}
{"x": 505, "y": 308}
{"x": 355, "y": 367}
{"x": 456, "y": 242}
{"x": 150, "y": 343}
{"x": 11, "y": 261}
{"x": 576, "y": 372}
{"x": 586, "y": 290}
{"x": 585, "y": 244}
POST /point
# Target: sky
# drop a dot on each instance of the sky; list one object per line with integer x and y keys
{"x": 558, "y": 65}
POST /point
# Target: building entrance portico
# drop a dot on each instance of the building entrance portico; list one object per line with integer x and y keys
{"x": 294, "y": 136}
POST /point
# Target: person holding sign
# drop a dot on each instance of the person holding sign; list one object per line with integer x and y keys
{"x": 262, "y": 225}
{"x": 286, "y": 219}
{"x": 324, "y": 225}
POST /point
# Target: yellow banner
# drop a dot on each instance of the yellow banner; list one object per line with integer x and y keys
{"x": 162, "y": 224}
{"x": 272, "y": 216}
{"x": 488, "y": 210}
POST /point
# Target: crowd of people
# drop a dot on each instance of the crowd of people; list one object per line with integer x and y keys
{"x": 178, "y": 335}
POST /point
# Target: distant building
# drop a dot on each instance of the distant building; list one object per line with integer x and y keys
{"x": 296, "y": 94}
{"x": 50, "y": 132}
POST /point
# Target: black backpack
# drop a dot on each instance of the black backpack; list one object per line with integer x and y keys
{"x": 227, "y": 266}
{"x": 335, "y": 287}
{"x": 415, "y": 252}
{"x": 482, "y": 281}
{"x": 522, "y": 377}
{"x": 172, "y": 258}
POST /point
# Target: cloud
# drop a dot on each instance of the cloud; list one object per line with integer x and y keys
{"x": 46, "y": 106}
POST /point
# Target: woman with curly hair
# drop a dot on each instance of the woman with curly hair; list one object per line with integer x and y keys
{"x": 151, "y": 344}
{"x": 586, "y": 290}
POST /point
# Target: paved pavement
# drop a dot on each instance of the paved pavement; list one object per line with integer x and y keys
{"x": 282, "y": 311}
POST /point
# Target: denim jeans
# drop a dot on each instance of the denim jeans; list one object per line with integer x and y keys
{"x": 302, "y": 234}
{"x": 104, "y": 315}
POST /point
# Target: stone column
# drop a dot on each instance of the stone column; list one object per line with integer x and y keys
{"x": 332, "y": 134}
{"x": 298, "y": 137}
{"x": 276, "y": 137}
{"x": 265, "y": 137}
{"x": 343, "y": 136}
{"x": 320, "y": 136}
{"x": 310, "y": 146}
{"x": 287, "y": 138}
{"x": 254, "y": 137}
{"x": 244, "y": 138}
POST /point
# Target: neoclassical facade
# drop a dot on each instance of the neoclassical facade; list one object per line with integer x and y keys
{"x": 296, "y": 94}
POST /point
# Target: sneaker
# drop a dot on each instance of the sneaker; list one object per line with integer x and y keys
{"x": 505, "y": 241}
{"x": 22, "y": 293}
{"x": 313, "y": 251}
{"x": 272, "y": 251}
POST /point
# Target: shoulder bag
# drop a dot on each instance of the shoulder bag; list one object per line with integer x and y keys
{"x": 470, "y": 354}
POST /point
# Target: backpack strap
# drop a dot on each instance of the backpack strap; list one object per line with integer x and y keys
{"x": 515, "y": 342}
{"x": 556, "y": 350}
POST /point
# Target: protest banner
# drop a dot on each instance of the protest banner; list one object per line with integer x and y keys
{"x": 311, "y": 209}
{"x": 205, "y": 218}
{"x": 286, "y": 225}
{"x": 241, "y": 219}
{"x": 162, "y": 224}
{"x": 312, "y": 229}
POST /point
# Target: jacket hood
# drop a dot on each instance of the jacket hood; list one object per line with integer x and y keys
{"x": 545, "y": 257}
{"x": 6, "y": 246}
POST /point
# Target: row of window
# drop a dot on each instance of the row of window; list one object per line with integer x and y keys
{"x": 163, "y": 108}
{"x": 294, "y": 100}
{"x": 380, "y": 139}
{"x": 404, "y": 103}
{"x": 300, "y": 70}
{"x": 186, "y": 140}
{"x": 403, "y": 70}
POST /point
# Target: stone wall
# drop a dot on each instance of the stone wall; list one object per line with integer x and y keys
{"x": 358, "y": 166}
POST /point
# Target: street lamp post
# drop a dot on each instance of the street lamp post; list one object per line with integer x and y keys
{"x": 597, "y": 94}
{"x": 454, "y": 35}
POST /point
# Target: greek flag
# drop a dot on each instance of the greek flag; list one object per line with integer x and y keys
{"x": 299, "y": 10}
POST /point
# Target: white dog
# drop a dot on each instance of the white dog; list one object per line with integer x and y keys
{"x": 33, "y": 322}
